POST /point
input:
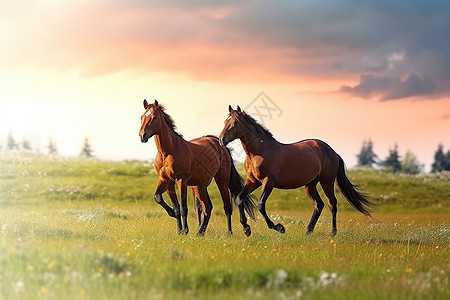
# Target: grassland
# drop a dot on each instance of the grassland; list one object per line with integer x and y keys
{"x": 88, "y": 229}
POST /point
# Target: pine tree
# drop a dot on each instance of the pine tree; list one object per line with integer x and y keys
{"x": 447, "y": 161}
{"x": 86, "y": 150}
{"x": 393, "y": 160}
{"x": 11, "y": 142}
{"x": 441, "y": 160}
{"x": 366, "y": 156}
{"x": 51, "y": 147}
{"x": 26, "y": 145}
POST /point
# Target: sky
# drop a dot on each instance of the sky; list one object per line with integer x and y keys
{"x": 341, "y": 71}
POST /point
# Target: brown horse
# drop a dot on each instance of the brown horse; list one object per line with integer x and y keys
{"x": 190, "y": 163}
{"x": 288, "y": 166}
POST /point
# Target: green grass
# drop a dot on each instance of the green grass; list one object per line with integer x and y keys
{"x": 88, "y": 229}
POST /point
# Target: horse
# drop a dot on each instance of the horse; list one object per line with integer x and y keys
{"x": 272, "y": 164}
{"x": 190, "y": 163}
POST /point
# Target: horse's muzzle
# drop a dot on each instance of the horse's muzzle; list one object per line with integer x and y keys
{"x": 144, "y": 137}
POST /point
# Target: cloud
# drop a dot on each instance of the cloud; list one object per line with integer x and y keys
{"x": 398, "y": 49}
{"x": 391, "y": 88}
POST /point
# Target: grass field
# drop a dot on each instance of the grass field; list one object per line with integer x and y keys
{"x": 88, "y": 229}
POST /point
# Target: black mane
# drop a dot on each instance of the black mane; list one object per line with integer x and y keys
{"x": 259, "y": 128}
{"x": 169, "y": 121}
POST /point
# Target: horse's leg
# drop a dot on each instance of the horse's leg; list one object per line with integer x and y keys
{"x": 328, "y": 189}
{"x": 226, "y": 199}
{"x": 267, "y": 188}
{"x": 197, "y": 208}
{"x": 162, "y": 187}
{"x": 184, "y": 209}
{"x": 202, "y": 194}
{"x": 248, "y": 188}
{"x": 311, "y": 191}
{"x": 176, "y": 205}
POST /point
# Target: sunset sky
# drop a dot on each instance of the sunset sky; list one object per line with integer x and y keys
{"x": 341, "y": 71}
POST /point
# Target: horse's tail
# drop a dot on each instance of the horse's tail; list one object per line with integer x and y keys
{"x": 350, "y": 192}
{"x": 236, "y": 184}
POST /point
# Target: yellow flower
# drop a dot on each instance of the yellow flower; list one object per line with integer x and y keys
{"x": 128, "y": 253}
{"x": 408, "y": 270}
{"x": 44, "y": 290}
{"x": 82, "y": 292}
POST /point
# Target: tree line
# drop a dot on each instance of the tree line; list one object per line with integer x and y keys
{"x": 365, "y": 158}
{"x": 52, "y": 149}
{"x": 395, "y": 163}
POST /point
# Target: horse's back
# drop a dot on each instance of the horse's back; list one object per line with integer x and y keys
{"x": 303, "y": 161}
{"x": 208, "y": 155}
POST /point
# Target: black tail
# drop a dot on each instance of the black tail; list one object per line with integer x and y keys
{"x": 236, "y": 185}
{"x": 350, "y": 192}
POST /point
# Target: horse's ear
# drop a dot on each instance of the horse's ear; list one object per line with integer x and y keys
{"x": 230, "y": 109}
{"x": 145, "y": 104}
{"x": 239, "y": 109}
{"x": 156, "y": 103}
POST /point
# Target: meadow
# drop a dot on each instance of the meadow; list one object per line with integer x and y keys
{"x": 90, "y": 229}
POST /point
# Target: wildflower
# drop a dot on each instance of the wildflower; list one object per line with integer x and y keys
{"x": 408, "y": 270}
{"x": 44, "y": 290}
{"x": 19, "y": 286}
{"x": 82, "y": 292}
{"x": 128, "y": 253}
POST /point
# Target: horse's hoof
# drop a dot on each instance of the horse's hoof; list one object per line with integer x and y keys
{"x": 201, "y": 233}
{"x": 247, "y": 230}
{"x": 308, "y": 232}
{"x": 333, "y": 232}
{"x": 185, "y": 231}
{"x": 280, "y": 228}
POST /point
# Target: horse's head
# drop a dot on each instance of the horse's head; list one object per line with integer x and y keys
{"x": 150, "y": 123}
{"x": 233, "y": 128}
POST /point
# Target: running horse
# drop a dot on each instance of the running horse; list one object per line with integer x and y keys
{"x": 271, "y": 164}
{"x": 190, "y": 163}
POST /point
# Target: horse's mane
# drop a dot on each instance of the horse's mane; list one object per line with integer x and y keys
{"x": 169, "y": 121}
{"x": 259, "y": 128}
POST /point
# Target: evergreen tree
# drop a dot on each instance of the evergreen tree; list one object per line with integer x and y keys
{"x": 51, "y": 147}
{"x": 447, "y": 161}
{"x": 11, "y": 142}
{"x": 410, "y": 164}
{"x": 86, "y": 150}
{"x": 441, "y": 160}
{"x": 393, "y": 160}
{"x": 26, "y": 145}
{"x": 366, "y": 156}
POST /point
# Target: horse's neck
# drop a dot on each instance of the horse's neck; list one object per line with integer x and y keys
{"x": 255, "y": 143}
{"x": 167, "y": 141}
